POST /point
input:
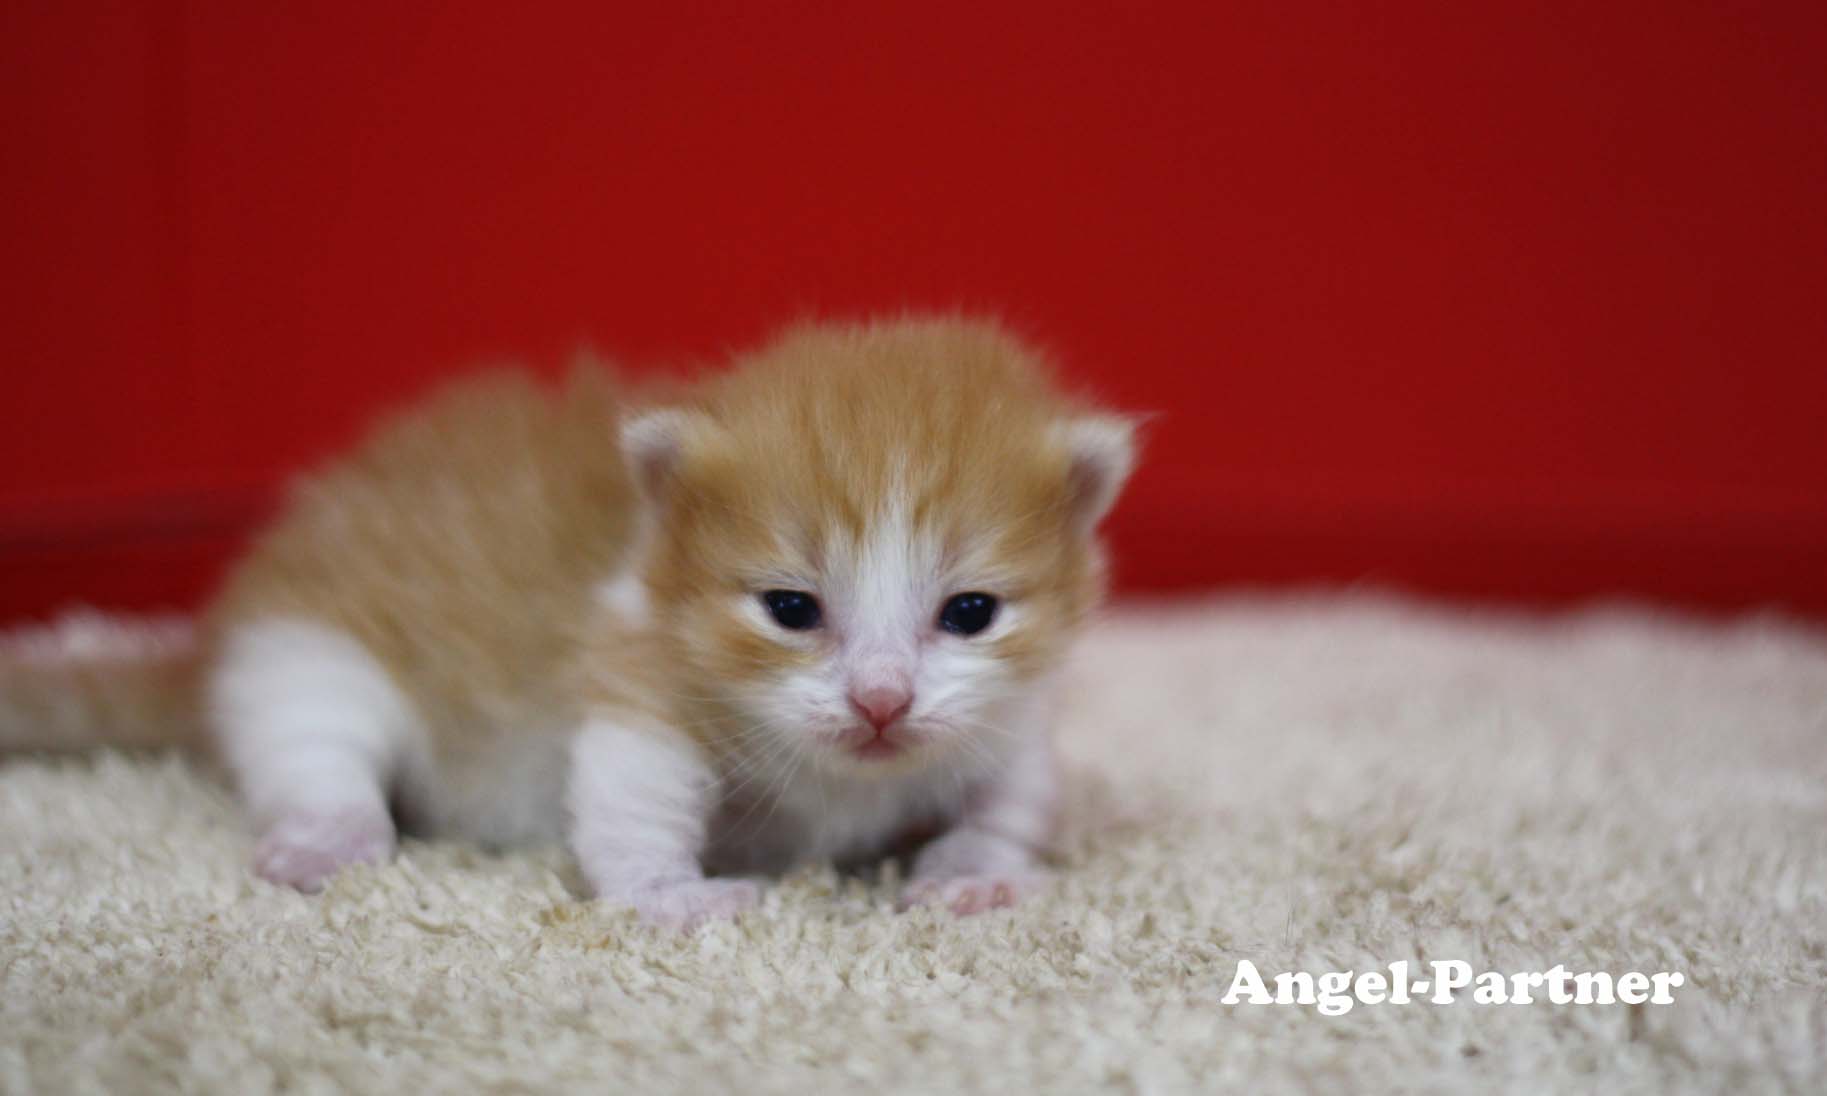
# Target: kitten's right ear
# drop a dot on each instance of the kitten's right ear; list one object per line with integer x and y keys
{"x": 1101, "y": 450}
{"x": 654, "y": 445}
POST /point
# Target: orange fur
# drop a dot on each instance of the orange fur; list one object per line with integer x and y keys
{"x": 459, "y": 545}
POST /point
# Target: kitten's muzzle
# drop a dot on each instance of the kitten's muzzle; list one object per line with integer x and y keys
{"x": 882, "y": 732}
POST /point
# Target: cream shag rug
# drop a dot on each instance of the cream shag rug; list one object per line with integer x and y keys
{"x": 1314, "y": 784}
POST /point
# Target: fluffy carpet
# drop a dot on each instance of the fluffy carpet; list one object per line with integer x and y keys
{"x": 1313, "y": 784}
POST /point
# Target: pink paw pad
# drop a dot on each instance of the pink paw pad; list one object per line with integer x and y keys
{"x": 968, "y": 894}
{"x": 307, "y": 847}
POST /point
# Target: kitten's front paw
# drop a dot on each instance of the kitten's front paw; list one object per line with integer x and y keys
{"x": 305, "y": 848}
{"x": 968, "y": 894}
{"x": 689, "y": 903}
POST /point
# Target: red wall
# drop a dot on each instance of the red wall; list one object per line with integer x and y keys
{"x": 1520, "y": 303}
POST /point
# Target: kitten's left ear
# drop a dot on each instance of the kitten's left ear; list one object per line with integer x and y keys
{"x": 654, "y": 445}
{"x": 1101, "y": 450}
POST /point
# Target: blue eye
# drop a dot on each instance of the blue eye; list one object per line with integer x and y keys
{"x": 968, "y": 614}
{"x": 793, "y": 609}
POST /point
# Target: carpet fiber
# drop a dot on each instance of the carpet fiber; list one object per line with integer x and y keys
{"x": 1313, "y": 784}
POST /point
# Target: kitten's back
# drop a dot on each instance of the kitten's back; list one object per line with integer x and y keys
{"x": 459, "y": 544}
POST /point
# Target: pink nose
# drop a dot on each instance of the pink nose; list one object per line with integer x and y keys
{"x": 881, "y": 705}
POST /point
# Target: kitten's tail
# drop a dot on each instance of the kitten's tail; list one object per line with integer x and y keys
{"x": 89, "y": 681}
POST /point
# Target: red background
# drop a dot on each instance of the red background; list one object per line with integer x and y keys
{"x": 1526, "y": 303}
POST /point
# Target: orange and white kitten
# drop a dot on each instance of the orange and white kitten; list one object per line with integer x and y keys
{"x": 809, "y": 607}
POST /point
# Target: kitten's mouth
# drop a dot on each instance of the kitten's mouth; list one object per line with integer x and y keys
{"x": 869, "y": 744}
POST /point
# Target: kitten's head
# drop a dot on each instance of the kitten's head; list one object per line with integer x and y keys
{"x": 869, "y": 542}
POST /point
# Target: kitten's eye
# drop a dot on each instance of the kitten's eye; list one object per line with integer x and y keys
{"x": 793, "y": 609}
{"x": 968, "y": 614}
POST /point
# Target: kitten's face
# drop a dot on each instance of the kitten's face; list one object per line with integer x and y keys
{"x": 884, "y": 644}
{"x": 870, "y": 551}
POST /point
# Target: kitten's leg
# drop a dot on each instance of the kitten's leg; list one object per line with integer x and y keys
{"x": 991, "y": 857}
{"x": 313, "y": 729}
{"x": 640, "y": 797}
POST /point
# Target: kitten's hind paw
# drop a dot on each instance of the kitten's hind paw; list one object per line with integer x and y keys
{"x": 968, "y": 894}
{"x": 304, "y": 848}
{"x": 686, "y": 904}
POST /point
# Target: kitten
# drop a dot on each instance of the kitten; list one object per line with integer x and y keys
{"x": 808, "y": 608}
